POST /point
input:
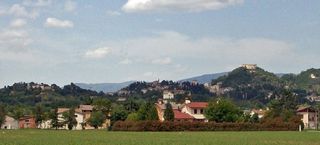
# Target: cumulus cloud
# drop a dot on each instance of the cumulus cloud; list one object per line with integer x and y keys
{"x": 162, "y": 61}
{"x": 97, "y": 53}
{"x": 70, "y": 6}
{"x": 18, "y": 23}
{"x": 54, "y": 22}
{"x": 173, "y": 5}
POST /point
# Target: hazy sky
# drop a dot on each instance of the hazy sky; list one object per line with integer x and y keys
{"x": 94, "y": 41}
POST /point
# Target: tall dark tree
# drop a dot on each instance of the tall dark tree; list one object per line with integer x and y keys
{"x": 70, "y": 118}
{"x": 147, "y": 112}
{"x": 168, "y": 113}
{"x": 39, "y": 114}
{"x": 2, "y": 115}
{"x": 54, "y": 118}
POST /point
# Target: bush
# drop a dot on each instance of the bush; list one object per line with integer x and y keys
{"x": 271, "y": 125}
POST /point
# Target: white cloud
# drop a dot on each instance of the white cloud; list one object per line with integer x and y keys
{"x": 14, "y": 40}
{"x": 113, "y": 13}
{"x": 18, "y": 23}
{"x": 54, "y": 22}
{"x": 162, "y": 61}
{"x": 70, "y": 6}
{"x": 97, "y": 53}
{"x": 20, "y": 11}
{"x": 174, "y": 5}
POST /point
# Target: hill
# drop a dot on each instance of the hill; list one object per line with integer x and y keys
{"x": 207, "y": 78}
{"x": 105, "y": 87}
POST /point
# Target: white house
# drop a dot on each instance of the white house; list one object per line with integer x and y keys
{"x": 168, "y": 95}
{"x": 309, "y": 116}
{"x": 10, "y": 123}
{"x": 195, "y": 109}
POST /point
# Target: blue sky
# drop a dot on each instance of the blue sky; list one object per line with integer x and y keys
{"x": 63, "y": 41}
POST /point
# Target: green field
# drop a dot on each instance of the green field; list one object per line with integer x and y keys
{"x": 52, "y": 137}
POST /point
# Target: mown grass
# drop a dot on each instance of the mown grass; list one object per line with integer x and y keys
{"x": 52, "y": 137}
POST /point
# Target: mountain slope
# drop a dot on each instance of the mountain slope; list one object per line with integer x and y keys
{"x": 207, "y": 78}
{"x": 105, "y": 87}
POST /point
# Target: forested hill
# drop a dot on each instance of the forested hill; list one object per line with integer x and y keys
{"x": 30, "y": 94}
{"x": 258, "y": 85}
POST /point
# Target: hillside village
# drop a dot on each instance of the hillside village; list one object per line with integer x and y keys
{"x": 249, "y": 87}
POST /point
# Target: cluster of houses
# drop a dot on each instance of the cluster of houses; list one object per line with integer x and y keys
{"x": 82, "y": 114}
{"x": 187, "y": 111}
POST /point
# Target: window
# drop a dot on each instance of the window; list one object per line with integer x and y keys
{"x": 201, "y": 111}
{"x": 195, "y": 111}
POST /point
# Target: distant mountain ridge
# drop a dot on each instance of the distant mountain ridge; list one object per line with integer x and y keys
{"x": 105, "y": 87}
{"x": 206, "y": 78}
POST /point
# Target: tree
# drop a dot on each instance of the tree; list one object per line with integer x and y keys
{"x": 17, "y": 112}
{"x": 118, "y": 114}
{"x": 168, "y": 113}
{"x": 70, "y": 119}
{"x": 103, "y": 105}
{"x": 152, "y": 113}
{"x": 283, "y": 106}
{"x": 39, "y": 114}
{"x": 97, "y": 119}
{"x": 54, "y": 119}
{"x": 2, "y": 115}
{"x": 147, "y": 112}
{"x": 222, "y": 111}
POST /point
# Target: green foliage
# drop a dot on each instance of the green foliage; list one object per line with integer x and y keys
{"x": 102, "y": 105}
{"x": 254, "y": 118}
{"x": 284, "y": 106}
{"x": 69, "y": 118}
{"x": 222, "y": 110}
{"x": 118, "y": 114}
{"x": 97, "y": 119}
{"x": 53, "y": 116}
{"x": 2, "y": 114}
{"x": 133, "y": 117}
{"x": 168, "y": 113}
{"x": 39, "y": 114}
{"x": 147, "y": 112}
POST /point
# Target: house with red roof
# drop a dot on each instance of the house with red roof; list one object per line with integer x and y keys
{"x": 195, "y": 109}
{"x": 178, "y": 115}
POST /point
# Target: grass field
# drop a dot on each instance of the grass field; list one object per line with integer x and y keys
{"x": 52, "y": 137}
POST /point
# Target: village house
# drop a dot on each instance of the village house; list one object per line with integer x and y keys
{"x": 259, "y": 112}
{"x": 309, "y": 117}
{"x": 178, "y": 115}
{"x": 78, "y": 115}
{"x": 10, "y": 123}
{"x": 195, "y": 109}
{"x": 27, "y": 122}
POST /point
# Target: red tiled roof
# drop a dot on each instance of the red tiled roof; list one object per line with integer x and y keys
{"x": 180, "y": 115}
{"x": 197, "y": 105}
